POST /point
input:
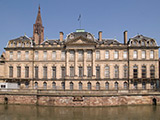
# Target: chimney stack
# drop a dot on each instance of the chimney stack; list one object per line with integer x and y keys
{"x": 125, "y": 37}
{"x": 61, "y": 36}
{"x": 100, "y": 35}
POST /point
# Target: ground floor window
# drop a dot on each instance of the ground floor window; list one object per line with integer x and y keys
{"x": 107, "y": 85}
{"x": 71, "y": 85}
{"x": 97, "y": 86}
{"x": 143, "y": 85}
{"x": 80, "y": 85}
{"x": 53, "y": 85}
{"x": 44, "y": 85}
{"x": 63, "y": 85}
{"x": 125, "y": 85}
{"x": 116, "y": 85}
{"x": 36, "y": 85}
{"x": 89, "y": 85}
{"x": 26, "y": 84}
{"x": 135, "y": 85}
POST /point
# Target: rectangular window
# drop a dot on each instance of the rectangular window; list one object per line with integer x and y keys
{"x": 89, "y": 55}
{"x": 54, "y": 55}
{"x": 80, "y": 55}
{"x": 27, "y": 55}
{"x": 143, "y": 71}
{"x": 97, "y": 55}
{"x": 107, "y": 55}
{"x": 45, "y": 55}
{"x": 80, "y": 71}
{"x": 143, "y": 54}
{"x": 116, "y": 71}
{"x": 10, "y": 71}
{"x": 36, "y": 55}
{"x": 71, "y": 71}
{"x": 18, "y": 71}
{"x": 45, "y": 72}
{"x": 89, "y": 71}
{"x": 97, "y": 71}
{"x": 152, "y": 72}
{"x": 125, "y": 71}
{"x": 63, "y": 72}
{"x": 135, "y": 72}
{"x": 11, "y": 55}
{"x": 19, "y": 55}
{"x": 36, "y": 71}
{"x": 26, "y": 72}
{"x": 71, "y": 56}
{"x": 115, "y": 54}
{"x": 125, "y": 54}
{"x": 151, "y": 54}
{"x": 107, "y": 74}
{"x": 135, "y": 54}
{"x": 63, "y": 55}
{"x": 53, "y": 72}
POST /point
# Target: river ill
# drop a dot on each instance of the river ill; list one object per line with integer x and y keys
{"x": 24, "y": 112}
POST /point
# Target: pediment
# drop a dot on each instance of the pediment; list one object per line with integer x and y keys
{"x": 80, "y": 41}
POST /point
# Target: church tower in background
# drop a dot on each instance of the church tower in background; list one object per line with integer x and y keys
{"x": 38, "y": 29}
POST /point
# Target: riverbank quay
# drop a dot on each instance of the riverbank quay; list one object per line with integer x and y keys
{"x": 79, "y": 98}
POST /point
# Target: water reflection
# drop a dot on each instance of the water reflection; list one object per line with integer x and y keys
{"x": 20, "y": 112}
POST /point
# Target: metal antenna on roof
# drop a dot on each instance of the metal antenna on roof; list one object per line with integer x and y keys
{"x": 79, "y": 19}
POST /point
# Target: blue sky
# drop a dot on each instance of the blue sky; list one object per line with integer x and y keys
{"x": 112, "y": 17}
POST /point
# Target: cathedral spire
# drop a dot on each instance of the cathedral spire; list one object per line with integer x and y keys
{"x": 39, "y": 20}
{"x": 38, "y": 29}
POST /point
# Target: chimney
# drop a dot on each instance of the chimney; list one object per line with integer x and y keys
{"x": 100, "y": 35}
{"x": 61, "y": 36}
{"x": 125, "y": 37}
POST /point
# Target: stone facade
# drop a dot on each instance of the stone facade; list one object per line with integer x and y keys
{"x": 80, "y": 62}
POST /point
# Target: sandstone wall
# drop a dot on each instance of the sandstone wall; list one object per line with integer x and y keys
{"x": 62, "y": 100}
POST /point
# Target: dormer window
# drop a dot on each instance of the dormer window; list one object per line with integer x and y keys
{"x": 71, "y": 36}
{"x": 143, "y": 43}
{"x": 11, "y": 44}
{"x": 19, "y": 44}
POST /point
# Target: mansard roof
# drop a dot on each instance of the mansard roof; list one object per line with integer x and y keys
{"x": 140, "y": 40}
{"x": 22, "y": 41}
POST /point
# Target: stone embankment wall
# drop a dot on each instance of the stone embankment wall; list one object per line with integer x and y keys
{"x": 61, "y": 98}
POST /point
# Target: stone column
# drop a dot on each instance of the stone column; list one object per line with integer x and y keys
{"x": 93, "y": 64}
{"x": 67, "y": 63}
{"x": 75, "y": 63}
{"x": 84, "y": 63}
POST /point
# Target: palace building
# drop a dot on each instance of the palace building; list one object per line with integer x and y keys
{"x": 79, "y": 62}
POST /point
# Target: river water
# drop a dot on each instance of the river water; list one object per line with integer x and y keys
{"x": 24, "y": 112}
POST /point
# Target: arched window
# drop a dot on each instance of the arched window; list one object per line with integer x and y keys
{"x": 116, "y": 85}
{"x": 26, "y": 84}
{"x": 152, "y": 85}
{"x": 53, "y": 85}
{"x": 107, "y": 74}
{"x": 89, "y": 85}
{"x": 97, "y": 86}
{"x": 116, "y": 71}
{"x": 152, "y": 71}
{"x": 143, "y": 71}
{"x": 44, "y": 85}
{"x": 80, "y": 86}
{"x": 107, "y": 85}
{"x": 135, "y": 85}
{"x": 36, "y": 85}
{"x": 135, "y": 71}
{"x": 125, "y": 85}
{"x": 71, "y": 85}
{"x": 63, "y": 85}
{"x": 143, "y": 85}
